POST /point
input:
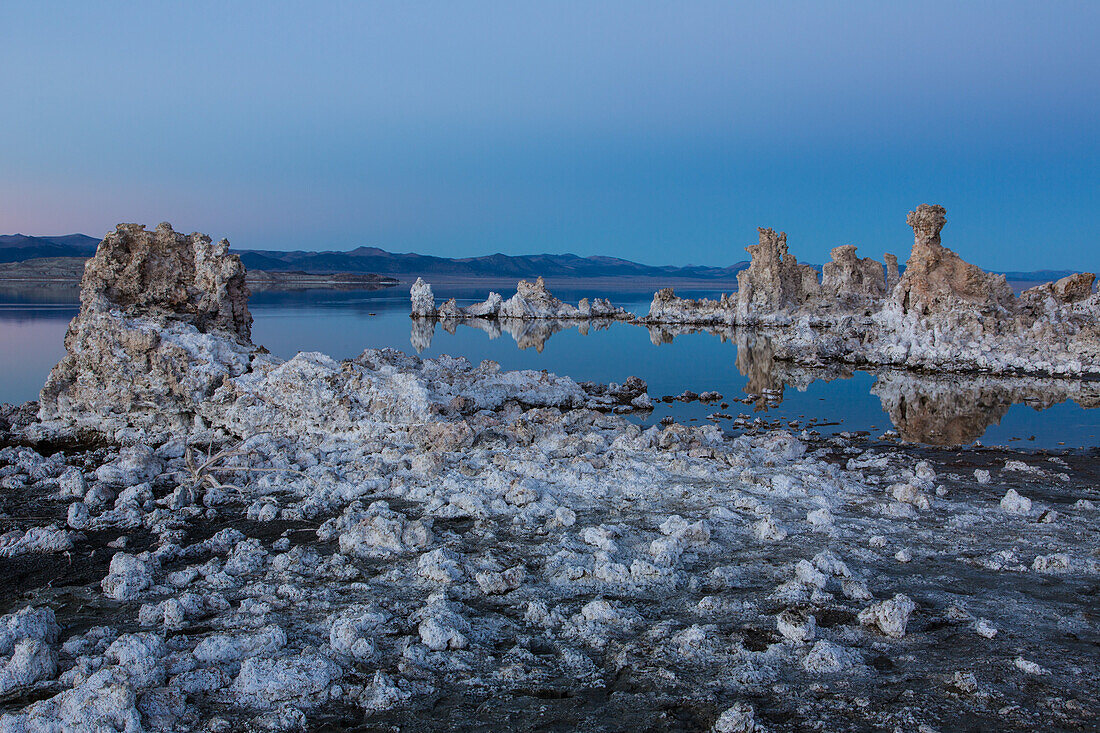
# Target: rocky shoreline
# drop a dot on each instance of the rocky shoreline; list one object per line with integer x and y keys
{"x": 942, "y": 314}
{"x": 202, "y": 536}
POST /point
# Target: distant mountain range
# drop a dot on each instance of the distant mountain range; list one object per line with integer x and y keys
{"x": 20, "y": 247}
{"x": 372, "y": 259}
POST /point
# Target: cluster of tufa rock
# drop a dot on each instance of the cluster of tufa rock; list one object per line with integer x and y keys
{"x": 942, "y": 313}
{"x": 532, "y": 301}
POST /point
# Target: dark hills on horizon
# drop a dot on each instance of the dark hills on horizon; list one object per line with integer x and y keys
{"x": 373, "y": 259}
{"x": 21, "y": 247}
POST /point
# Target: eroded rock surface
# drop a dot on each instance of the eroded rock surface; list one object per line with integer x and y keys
{"x": 532, "y": 302}
{"x": 774, "y": 280}
{"x": 943, "y": 313}
{"x": 936, "y": 279}
{"x": 163, "y": 322}
{"x": 851, "y": 278}
{"x": 423, "y": 301}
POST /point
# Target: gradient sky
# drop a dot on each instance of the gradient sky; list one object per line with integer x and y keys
{"x": 661, "y": 132}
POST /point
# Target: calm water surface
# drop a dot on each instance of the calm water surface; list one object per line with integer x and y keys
{"x": 343, "y": 323}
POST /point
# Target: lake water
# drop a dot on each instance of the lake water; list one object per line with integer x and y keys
{"x": 930, "y": 409}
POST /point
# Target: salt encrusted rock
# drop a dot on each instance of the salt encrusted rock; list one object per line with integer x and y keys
{"x": 423, "y": 301}
{"x": 441, "y": 565}
{"x": 666, "y": 307}
{"x": 850, "y": 278}
{"x": 302, "y": 680}
{"x": 129, "y": 576}
{"x": 135, "y": 464}
{"x": 164, "y": 273}
{"x": 1057, "y": 562}
{"x": 31, "y": 661}
{"x": 442, "y": 627}
{"x": 449, "y": 310}
{"x": 1070, "y": 289}
{"x": 1074, "y": 288}
{"x": 985, "y": 629}
{"x": 738, "y": 719}
{"x": 490, "y": 308}
{"x": 890, "y": 617}
{"x": 353, "y": 629}
{"x": 381, "y": 532}
{"x": 1013, "y": 503}
{"x": 104, "y": 702}
{"x": 1029, "y": 667}
{"x": 828, "y": 658}
{"x": 71, "y": 483}
{"x": 766, "y": 530}
{"x": 163, "y": 321}
{"x": 494, "y": 583}
{"x": 314, "y": 396}
{"x": 37, "y": 624}
{"x": 532, "y": 302}
{"x": 797, "y": 627}
{"x": 226, "y": 648}
{"x": 140, "y": 657}
{"x": 36, "y": 540}
{"x": 78, "y": 515}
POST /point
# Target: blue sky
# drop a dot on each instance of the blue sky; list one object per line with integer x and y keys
{"x": 660, "y": 132}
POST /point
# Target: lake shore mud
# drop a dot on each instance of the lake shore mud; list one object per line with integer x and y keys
{"x": 198, "y": 535}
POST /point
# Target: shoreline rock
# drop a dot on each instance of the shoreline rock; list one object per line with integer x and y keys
{"x": 163, "y": 322}
{"x": 532, "y": 302}
{"x": 390, "y": 541}
{"x": 941, "y": 314}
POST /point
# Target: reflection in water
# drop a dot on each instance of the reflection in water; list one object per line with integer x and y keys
{"x": 664, "y": 333}
{"x": 525, "y": 333}
{"x": 422, "y": 331}
{"x": 768, "y": 377}
{"x": 755, "y": 360}
{"x": 937, "y": 409}
{"x": 946, "y": 409}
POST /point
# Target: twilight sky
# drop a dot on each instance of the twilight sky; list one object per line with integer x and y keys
{"x": 661, "y": 132}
